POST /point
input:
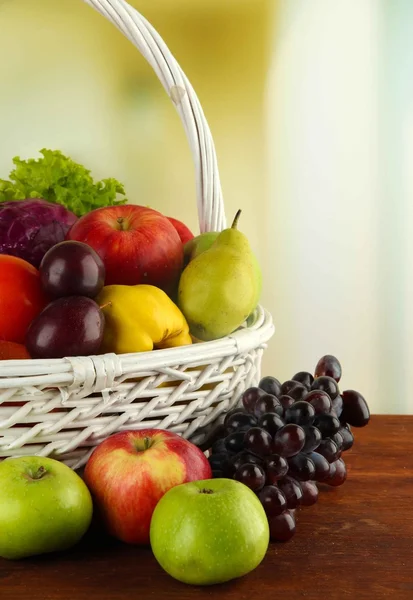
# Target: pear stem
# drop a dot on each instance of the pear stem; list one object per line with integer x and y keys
{"x": 235, "y": 222}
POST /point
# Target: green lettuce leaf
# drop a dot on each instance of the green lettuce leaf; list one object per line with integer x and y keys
{"x": 59, "y": 179}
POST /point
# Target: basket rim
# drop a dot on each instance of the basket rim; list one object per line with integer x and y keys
{"x": 70, "y": 371}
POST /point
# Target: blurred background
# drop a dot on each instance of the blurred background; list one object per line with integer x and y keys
{"x": 311, "y": 108}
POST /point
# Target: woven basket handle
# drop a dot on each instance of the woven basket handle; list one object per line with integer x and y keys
{"x": 141, "y": 33}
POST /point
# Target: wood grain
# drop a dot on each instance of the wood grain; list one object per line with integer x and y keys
{"x": 355, "y": 544}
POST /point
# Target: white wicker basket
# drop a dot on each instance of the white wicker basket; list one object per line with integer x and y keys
{"x": 64, "y": 408}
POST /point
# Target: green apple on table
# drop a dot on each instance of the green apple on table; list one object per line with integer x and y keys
{"x": 44, "y": 507}
{"x": 208, "y": 532}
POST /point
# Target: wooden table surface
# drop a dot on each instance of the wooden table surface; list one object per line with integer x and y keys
{"x": 355, "y": 543}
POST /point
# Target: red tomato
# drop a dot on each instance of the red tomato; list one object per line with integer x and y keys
{"x": 13, "y": 351}
{"x": 21, "y": 297}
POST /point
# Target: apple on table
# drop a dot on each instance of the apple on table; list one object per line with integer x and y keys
{"x": 44, "y": 507}
{"x": 130, "y": 471}
{"x": 208, "y": 532}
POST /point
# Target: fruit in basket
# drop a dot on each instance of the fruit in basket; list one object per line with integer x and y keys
{"x": 183, "y": 231}
{"x": 28, "y": 228}
{"x": 137, "y": 245}
{"x": 218, "y": 289}
{"x": 21, "y": 297}
{"x": 13, "y": 351}
{"x": 306, "y": 435}
{"x": 44, "y": 507}
{"x": 140, "y": 318}
{"x": 203, "y": 242}
{"x": 130, "y": 471}
{"x": 199, "y": 244}
{"x": 71, "y": 326}
{"x": 209, "y": 532}
{"x": 72, "y": 269}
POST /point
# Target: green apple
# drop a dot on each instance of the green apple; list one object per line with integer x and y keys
{"x": 199, "y": 244}
{"x": 44, "y": 507}
{"x": 207, "y": 532}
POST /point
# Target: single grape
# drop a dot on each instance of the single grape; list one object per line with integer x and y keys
{"x": 270, "y": 385}
{"x": 320, "y": 401}
{"x": 71, "y": 326}
{"x": 252, "y": 476}
{"x": 249, "y": 398}
{"x": 243, "y": 458}
{"x": 287, "y": 386}
{"x": 258, "y": 441}
{"x": 301, "y": 413}
{"x": 326, "y": 384}
{"x": 268, "y": 404}
{"x": 271, "y": 422}
{"x": 236, "y": 410}
{"x": 291, "y": 490}
{"x": 355, "y": 409}
{"x": 301, "y": 467}
{"x": 289, "y": 440}
{"x": 286, "y": 401}
{"x": 338, "y": 473}
{"x": 312, "y": 439}
{"x": 348, "y": 438}
{"x": 240, "y": 421}
{"x": 305, "y": 378}
{"x": 329, "y": 450}
{"x": 273, "y": 500}
{"x": 234, "y": 442}
{"x": 298, "y": 391}
{"x": 328, "y": 365}
{"x": 322, "y": 466}
{"x": 338, "y": 440}
{"x": 327, "y": 424}
{"x": 276, "y": 467}
{"x": 72, "y": 268}
{"x": 219, "y": 461}
{"x": 310, "y": 493}
{"x": 337, "y": 406}
{"x": 282, "y": 527}
{"x": 218, "y": 446}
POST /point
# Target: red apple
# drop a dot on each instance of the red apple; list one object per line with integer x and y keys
{"x": 183, "y": 231}
{"x": 137, "y": 245}
{"x": 129, "y": 473}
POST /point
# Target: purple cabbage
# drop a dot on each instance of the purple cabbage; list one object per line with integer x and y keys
{"x": 29, "y": 228}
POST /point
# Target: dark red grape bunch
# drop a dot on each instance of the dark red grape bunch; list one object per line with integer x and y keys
{"x": 284, "y": 439}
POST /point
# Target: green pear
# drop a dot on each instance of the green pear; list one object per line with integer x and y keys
{"x": 203, "y": 242}
{"x": 219, "y": 288}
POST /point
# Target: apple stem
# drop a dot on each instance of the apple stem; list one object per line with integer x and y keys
{"x": 235, "y": 222}
{"x": 39, "y": 473}
{"x": 121, "y": 223}
{"x": 146, "y": 443}
{"x": 206, "y": 491}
